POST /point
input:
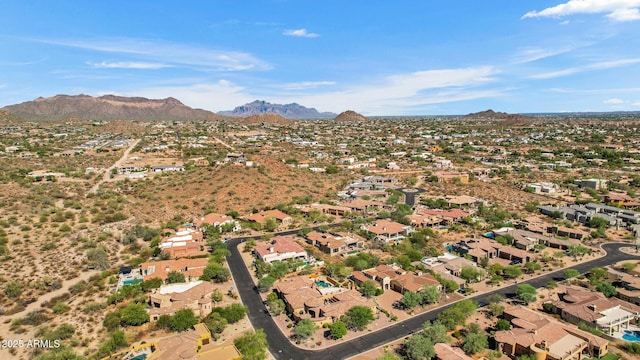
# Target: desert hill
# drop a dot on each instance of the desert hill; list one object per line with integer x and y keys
{"x": 107, "y": 107}
{"x": 267, "y": 118}
{"x": 499, "y": 116}
{"x": 289, "y": 111}
{"x": 350, "y": 116}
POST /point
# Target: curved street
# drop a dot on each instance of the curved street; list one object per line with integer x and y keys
{"x": 282, "y": 348}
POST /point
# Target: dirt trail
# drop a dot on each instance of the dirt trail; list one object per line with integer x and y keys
{"x": 107, "y": 173}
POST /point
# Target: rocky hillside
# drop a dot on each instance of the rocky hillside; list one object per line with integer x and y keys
{"x": 350, "y": 116}
{"x": 289, "y": 111}
{"x": 273, "y": 119}
{"x": 500, "y": 116}
{"x": 107, "y": 107}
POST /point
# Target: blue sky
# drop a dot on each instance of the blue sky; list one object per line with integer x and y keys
{"x": 375, "y": 57}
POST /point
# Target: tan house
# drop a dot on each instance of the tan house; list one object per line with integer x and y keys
{"x": 388, "y": 232}
{"x": 594, "y": 309}
{"x": 214, "y": 219}
{"x": 170, "y": 298}
{"x": 446, "y": 352}
{"x": 192, "y": 269}
{"x": 280, "y": 248}
{"x": 333, "y": 245}
{"x": 305, "y": 299}
{"x": 543, "y": 336}
{"x": 183, "y": 243}
{"x": 262, "y": 216}
{"x": 446, "y": 177}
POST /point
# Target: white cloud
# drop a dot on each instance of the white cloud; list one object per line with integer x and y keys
{"x": 617, "y": 10}
{"x": 590, "y": 67}
{"x": 129, "y": 65}
{"x": 533, "y": 54}
{"x": 304, "y": 85}
{"x": 397, "y": 94}
{"x": 300, "y": 33}
{"x": 614, "y": 101}
{"x": 623, "y": 15}
{"x": 637, "y": 103}
{"x": 170, "y": 53}
{"x": 392, "y": 95}
{"x": 218, "y": 96}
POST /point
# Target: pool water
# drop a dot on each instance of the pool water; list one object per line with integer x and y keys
{"x": 132, "y": 282}
{"x": 631, "y": 335}
{"x": 323, "y": 284}
{"x": 140, "y": 357}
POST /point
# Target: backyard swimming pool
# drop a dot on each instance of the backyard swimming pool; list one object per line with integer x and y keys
{"x": 323, "y": 284}
{"x": 631, "y": 335}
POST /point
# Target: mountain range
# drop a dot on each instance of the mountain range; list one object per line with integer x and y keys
{"x": 112, "y": 107}
{"x": 289, "y": 111}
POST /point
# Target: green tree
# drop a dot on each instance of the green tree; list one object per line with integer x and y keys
{"x": 503, "y": 324}
{"x": 233, "y": 313}
{"x": 628, "y": 266}
{"x": 112, "y": 320}
{"x": 598, "y": 273}
{"x": 217, "y": 295}
{"x": 265, "y": 283}
{"x": 338, "y": 329}
{"x": 526, "y": 293}
{"x": 368, "y": 288}
{"x": 571, "y": 273}
{"x": 252, "y": 345}
{"x": 153, "y": 283}
{"x": 304, "y": 328}
{"x": 470, "y": 273}
{"x": 410, "y": 300}
{"x": 496, "y": 309}
{"x": 270, "y": 225}
{"x": 358, "y": 317}
{"x": 279, "y": 269}
{"x": 216, "y": 323}
{"x": 429, "y": 295}
{"x": 216, "y": 273}
{"x": 276, "y": 305}
{"x": 183, "y": 320}
{"x": 512, "y": 272}
{"x": 419, "y": 347}
{"x": 474, "y": 343}
{"x": 60, "y": 308}
{"x": 174, "y": 277}
{"x": 98, "y": 258}
{"x": 436, "y": 332}
{"x": 532, "y": 266}
{"x": 134, "y": 315}
{"x": 607, "y": 289}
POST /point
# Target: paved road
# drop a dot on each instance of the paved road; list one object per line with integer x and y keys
{"x": 282, "y": 348}
{"x": 410, "y": 195}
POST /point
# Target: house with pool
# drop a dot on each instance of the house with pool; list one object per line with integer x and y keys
{"x": 533, "y": 333}
{"x": 611, "y": 315}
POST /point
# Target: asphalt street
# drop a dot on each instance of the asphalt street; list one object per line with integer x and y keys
{"x": 282, "y": 348}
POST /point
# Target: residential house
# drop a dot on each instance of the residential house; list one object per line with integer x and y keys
{"x": 217, "y": 220}
{"x": 479, "y": 249}
{"x": 388, "y": 232}
{"x": 167, "y": 168}
{"x": 594, "y": 309}
{"x": 192, "y": 269}
{"x": 447, "y": 217}
{"x": 413, "y": 282}
{"x": 334, "y": 245}
{"x": 183, "y": 243}
{"x": 596, "y": 184}
{"x": 280, "y": 248}
{"x": 447, "y": 352}
{"x": 445, "y": 177}
{"x": 170, "y": 298}
{"x": 304, "y": 298}
{"x": 381, "y": 275}
{"x": 527, "y": 240}
{"x": 195, "y": 344}
{"x": 448, "y": 266}
{"x": 533, "y": 333}
{"x": 262, "y": 216}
